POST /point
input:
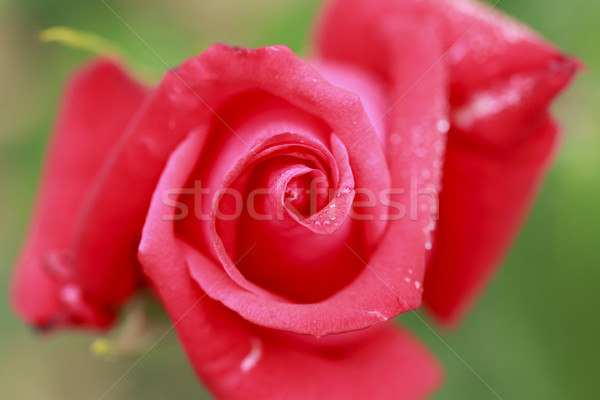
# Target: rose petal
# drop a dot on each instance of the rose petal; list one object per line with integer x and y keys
{"x": 502, "y": 77}
{"x": 238, "y": 360}
{"x": 98, "y": 103}
{"x": 404, "y": 49}
{"x": 474, "y": 232}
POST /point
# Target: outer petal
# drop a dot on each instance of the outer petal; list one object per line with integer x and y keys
{"x": 481, "y": 208}
{"x": 501, "y": 80}
{"x": 238, "y": 360}
{"x": 99, "y": 102}
{"x": 500, "y": 145}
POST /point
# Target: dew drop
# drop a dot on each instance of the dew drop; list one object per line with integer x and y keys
{"x": 420, "y": 152}
{"x": 71, "y": 294}
{"x": 379, "y": 315}
{"x": 253, "y": 357}
{"x": 395, "y": 138}
{"x": 443, "y": 126}
{"x": 439, "y": 147}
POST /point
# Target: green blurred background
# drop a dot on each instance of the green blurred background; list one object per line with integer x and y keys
{"x": 535, "y": 333}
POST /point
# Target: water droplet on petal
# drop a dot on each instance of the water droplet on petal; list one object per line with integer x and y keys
{"x": 395, "y": 138}
{"x": 443, "y": 126}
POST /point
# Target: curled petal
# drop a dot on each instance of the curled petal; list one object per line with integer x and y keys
{"x": 277, "y": 226}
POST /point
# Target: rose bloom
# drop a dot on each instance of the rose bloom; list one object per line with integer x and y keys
{"x": 283, "y": 210}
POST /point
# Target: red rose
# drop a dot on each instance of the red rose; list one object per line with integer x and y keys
{"x": 271, "y": 202}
